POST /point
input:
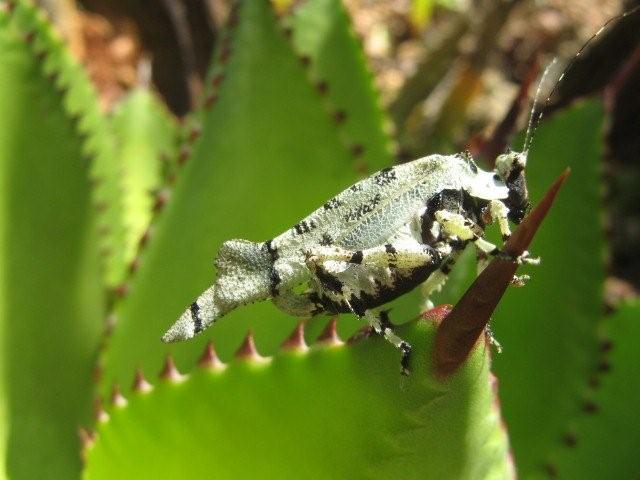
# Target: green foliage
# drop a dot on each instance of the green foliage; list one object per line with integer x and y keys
{"x": 602, "y": 442}
{"x": 51, "y": 304}
{"x": 145, "y": 134}
{"x": 322, "y": 33}
{"x": 551, "y": 348}
{"x": 269, "y": 144}
{"x": 327, "y": 412}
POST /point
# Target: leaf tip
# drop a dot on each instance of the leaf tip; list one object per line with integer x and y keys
{"x": 99, "y": 413}
{"x": 551, "y": 470}
{"x": 170, "y": 372}
{"x": 140, "y": 383}
{"x": 87, "y": 440}
{"x": 248, "y": 351}
{"x": 134, "y": 265}
{"x": 146, "y": 236}
{"x": 569, "y": 439}
{"x": 210, "y": 100}
{"x": 356, "y": 150}
{"x": 322, "y": 87}
{"x": 161, "y": 198}
{"x": 209, "y": 359}
{"x": 121, "y": 290}
{"x": 117, "y": 399}
{"x": 590, "y": 407}
{"x": 194, "y": 133}
{"x": 296, "y": 341}
{"x": 329, "y": 335}
{"x": 217, "y": 80}
{"x": 225, "y": 52}
{"x": 339, "y": 116}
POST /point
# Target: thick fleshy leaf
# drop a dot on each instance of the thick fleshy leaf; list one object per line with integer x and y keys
{"x": 548, "y": 328}
{"x": 51, "y": 305}
{"x": 603, "y": 441}
{"x": 332, "y": 411}
{"x": 81, "y": 102}
{"x": 267, "y": 155}
{"x": 322, "y": 33}
{"x": 145, "y": 134}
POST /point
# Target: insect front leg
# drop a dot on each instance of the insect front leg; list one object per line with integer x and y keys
{"x": 489, "y": 249}
{"x": 482, "y": 261}
{"x": 499, "y": 212}
{"x": 457, "y": 225}
{"x": 379, "y": 321}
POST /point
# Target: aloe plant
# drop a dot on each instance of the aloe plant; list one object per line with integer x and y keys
{"x": 109, "y": 223}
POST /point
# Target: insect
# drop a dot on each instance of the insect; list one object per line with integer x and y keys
{"x": 373, "y": 242}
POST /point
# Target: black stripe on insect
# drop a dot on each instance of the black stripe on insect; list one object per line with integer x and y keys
{"x": 304, "y": 226}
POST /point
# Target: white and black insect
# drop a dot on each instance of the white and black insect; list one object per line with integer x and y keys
{"x": 378, "y": 239}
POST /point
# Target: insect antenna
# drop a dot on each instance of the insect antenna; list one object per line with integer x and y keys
{"x": 537, "y": 112}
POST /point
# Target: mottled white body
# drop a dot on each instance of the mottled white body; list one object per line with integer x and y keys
{"x": 367, "y": 245}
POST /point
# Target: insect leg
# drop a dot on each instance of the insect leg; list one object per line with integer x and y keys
{"x": 483, "y": 259}
{"x": 379, "y": 320}
{"x": 437, "y": 279}
{"x": 499, "y": 211}
{"x": 404, "y": 255}
{"x": 489, "y": 249}
{"x": 465, "y": 229}
{"x": 458, "y": 225}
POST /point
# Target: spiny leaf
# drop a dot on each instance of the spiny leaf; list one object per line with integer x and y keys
{"x": 548, "y": 327}
{"x": 267, "y": 155}
{"x": 145, "y": 133}
{"x": 322, "y": 33}
{"x": 326, "y": 411}
{"x": 603, "y": 441}
{"x": 50, "y": 289}
{"x": 81, "y": 102}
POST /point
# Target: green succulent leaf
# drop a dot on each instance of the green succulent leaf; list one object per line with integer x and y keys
{"x": 548, "y": 328}
{"x": 322, "y": 32}
{"x": 51, "y": 305}
{"x": 332, "y": 411}
{"x": 603, "y": 441}
{"x": 268, "y": 153}
{"x": 146, "y": 135}
{"x": 81, "y": 103}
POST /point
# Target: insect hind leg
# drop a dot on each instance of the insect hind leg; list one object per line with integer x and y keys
{"x": 405, "y": 256}
{"x": 379, "y": 321}
{"x": 434, "y": 283}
